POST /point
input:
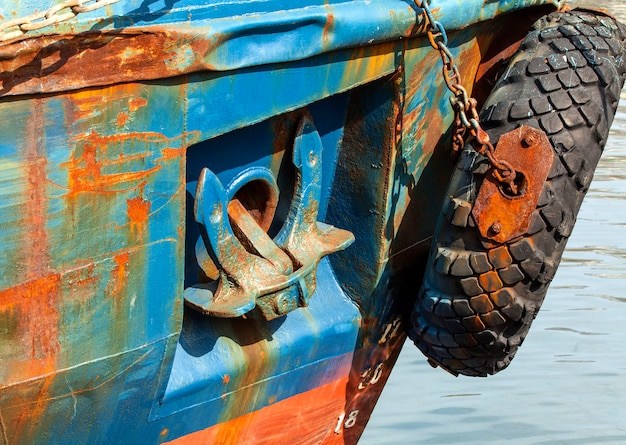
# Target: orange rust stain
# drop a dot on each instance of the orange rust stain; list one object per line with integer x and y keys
{"x": 122, "y": 119}
{"x": 121, "y": 261}
{"x": 120, "y": 272}
{"x": 180, "y": 231}
{"x": 306, "y": 418}
{"x": 369, "y": 63}
{"x": 85, "y": 104}
{"x": 424, "y": 115}
{"x": 234, "y": 407}
{"x": 99, "y": 163}
{"x": 226, "y": 379}
{"x": 86, "y": 169}
{"x": 172, "y": 153}
{"x": 468, "y": 62}
{"x": 36, "y": 333}
{"x": 136, "y": 103}
{"x": 499, "y": 217}
{"x": 328, "y": 28}
{"x": 164, "y": 432}
{"x": 138, "y": 211}
{"x": 20, "y": 62}
{"x": 430, "y": 123}
{"x": 431, "y": 126}
{"x": 23, "y": 422}
{"x": 35, "y": 164}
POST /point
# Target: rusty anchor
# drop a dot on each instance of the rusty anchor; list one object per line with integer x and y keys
{"x": 252, "y": 270}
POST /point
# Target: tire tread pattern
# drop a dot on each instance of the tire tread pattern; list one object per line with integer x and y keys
{"x": 479, "y": 299}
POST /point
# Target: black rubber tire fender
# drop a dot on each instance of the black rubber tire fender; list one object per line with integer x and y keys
{"x": 478, "y": 299}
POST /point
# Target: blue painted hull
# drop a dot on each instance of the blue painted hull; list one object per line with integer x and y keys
{"x": 108, "y": 121}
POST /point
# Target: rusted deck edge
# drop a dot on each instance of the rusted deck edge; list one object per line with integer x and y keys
{"x": 97, "y": 56}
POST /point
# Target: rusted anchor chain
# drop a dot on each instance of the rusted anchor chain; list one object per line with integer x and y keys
{"x": 58, "y": 13}
{"x": 464, "y": 106}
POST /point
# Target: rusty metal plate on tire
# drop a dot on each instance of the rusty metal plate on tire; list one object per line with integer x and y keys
{"x": 499, "y": 215}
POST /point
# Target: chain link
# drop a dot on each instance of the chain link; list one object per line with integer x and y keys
{"x": 465, "y": 107}
{"x": 60, "y": 12}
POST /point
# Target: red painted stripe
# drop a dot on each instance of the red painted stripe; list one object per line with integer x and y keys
{"x": 308, "y": 418}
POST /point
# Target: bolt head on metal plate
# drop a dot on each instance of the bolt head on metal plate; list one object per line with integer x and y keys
{"x": 499, "y": 216}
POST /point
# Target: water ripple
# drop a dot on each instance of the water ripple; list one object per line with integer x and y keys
{"x": 575, "y": 331}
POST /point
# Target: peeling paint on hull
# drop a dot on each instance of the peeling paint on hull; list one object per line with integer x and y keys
{"x": 106, "y": 129}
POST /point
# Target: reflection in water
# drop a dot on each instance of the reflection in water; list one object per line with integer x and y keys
{"x": 575, "y": 331}
{"x": 462, "y": 395}
{"x": 568, "y": 382}
{"x": 611, "y": 298}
